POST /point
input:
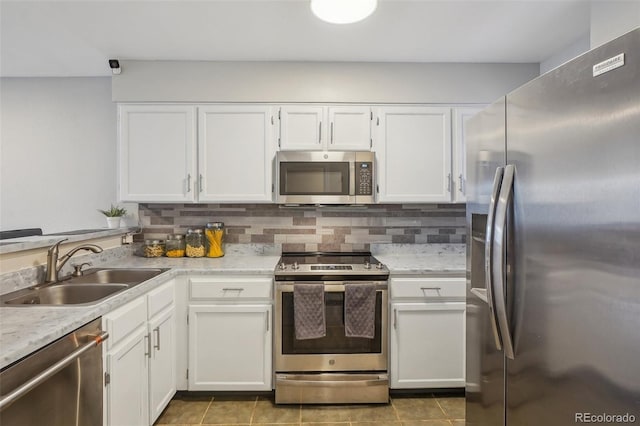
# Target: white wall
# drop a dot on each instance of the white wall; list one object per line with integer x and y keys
{"x": 575, "y": 49}
{"x": 368, "y": 82}
{"x": 58, "y": 152}
{"x": 611, "y": 19}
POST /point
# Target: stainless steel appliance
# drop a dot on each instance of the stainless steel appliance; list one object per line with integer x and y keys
{"x": 553, "y": 215}
{"x": 334, "y": 368}
{"x": 333, "y": 177}
{"x": 59, "y": 385}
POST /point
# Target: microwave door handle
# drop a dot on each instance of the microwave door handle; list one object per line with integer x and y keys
{"x": 488, "y": 255}
{"x": 499, "y": 238}
{"x": 352, "y": 179}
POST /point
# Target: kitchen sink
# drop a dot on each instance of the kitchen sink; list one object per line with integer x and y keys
{"x": 92, "y": 287}
{"x": 67, "y": 294}
{"x": 120, "y": 276}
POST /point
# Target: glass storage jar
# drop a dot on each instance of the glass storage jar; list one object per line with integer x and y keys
{"x": 153, "y": 248}
{"x": 195, "y": 243}
{"x": 175, "y": 245}
{"x": 214, "y": 233}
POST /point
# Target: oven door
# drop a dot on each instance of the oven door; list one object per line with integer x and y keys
{"x": 334, "y": 352}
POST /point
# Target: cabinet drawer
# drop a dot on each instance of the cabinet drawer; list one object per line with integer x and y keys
{"x": 230, "y": 288}
{"x": 160, "y": 298}
{"x": 428, "y": 288}
{"x": 125, "y": 320}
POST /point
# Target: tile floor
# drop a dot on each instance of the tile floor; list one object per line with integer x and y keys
{"x": 410, "y": 410}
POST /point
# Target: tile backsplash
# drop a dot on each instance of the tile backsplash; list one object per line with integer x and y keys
{"x": 312, "y": 228}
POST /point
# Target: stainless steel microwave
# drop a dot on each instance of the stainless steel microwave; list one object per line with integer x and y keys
{"x": 330, "y": 177}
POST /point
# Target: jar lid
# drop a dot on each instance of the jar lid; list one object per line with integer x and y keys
{"x": 152, "y": 242}
{"x": 215, "y": 225}
{"x": 175, "y": 237}
{"x": 194, "y": 231}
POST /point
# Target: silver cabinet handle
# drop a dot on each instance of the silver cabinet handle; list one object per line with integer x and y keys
{"x": 331, "y": 133}
{"x": 449, "y": 182}
{"x": 431, "y": 288}
{"x": 499, "y": 238}
{"x": 395, "y": 318}
{"x": 233, "y": 289}
{"x": 147, "y": 339}
{"x": 488, "y": 255}
{"x": 267, "y": 318}
{"x": 157, "y": 331}
{"x": 188, "y": 182}
{"x": 200, "y": 183}
{"x": 320, "y": 132}
{"x": 461, "y": 186}
{"x": 26, "y": 387}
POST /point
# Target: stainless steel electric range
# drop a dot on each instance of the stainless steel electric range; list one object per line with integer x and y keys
{"x": 334, "y": 368}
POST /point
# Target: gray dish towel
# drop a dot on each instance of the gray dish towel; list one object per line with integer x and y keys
{"x": 308, "y": 311}
{"x": 359, "y": 310}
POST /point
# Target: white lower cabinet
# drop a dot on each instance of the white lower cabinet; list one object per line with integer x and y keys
{"x": 427, "y": 321}
{"x": 140, "y": 366}
{"x": 230, "y": 333}
{"x": 230, "y": 347}
{"x": 127, "y": 381}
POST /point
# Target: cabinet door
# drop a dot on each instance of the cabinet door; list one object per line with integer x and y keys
{"x": 302, "y": 127}
{"x": 350, "y": 128}
{"x": 127, "y": 390}
{"x": 235, "y": 153}
{"x": 230, "y": 347}
{"x": 413, "y": 149}
{"x": 157, "y": 153}
{"x": 427, "y": 345}
{"x": 162, "y": 364}
{"x": 459, "y": 173}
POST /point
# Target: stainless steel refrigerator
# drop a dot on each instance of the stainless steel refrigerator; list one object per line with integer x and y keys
{"x": 553, "y": 253}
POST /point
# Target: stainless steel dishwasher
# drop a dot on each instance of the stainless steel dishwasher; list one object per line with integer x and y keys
{"x": 59, "y": 385}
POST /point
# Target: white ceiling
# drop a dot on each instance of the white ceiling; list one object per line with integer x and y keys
{"x": 75, "y": 38}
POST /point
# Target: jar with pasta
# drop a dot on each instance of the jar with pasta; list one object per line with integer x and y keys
{"x": 153, "y": 248}
{"x": 195, "y": 243}
{"x": 175, "y": 245}
{"x": 214, "y": 233}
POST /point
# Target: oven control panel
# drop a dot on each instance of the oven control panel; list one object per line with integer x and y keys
{"x": 364, "y": 177}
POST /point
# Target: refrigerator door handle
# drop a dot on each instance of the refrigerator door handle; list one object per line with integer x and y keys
{"x": 488, "y": 255}
{"x": 499, "y": 238}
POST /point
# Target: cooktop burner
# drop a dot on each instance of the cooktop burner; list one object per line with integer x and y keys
{"x": 320, "y": 266}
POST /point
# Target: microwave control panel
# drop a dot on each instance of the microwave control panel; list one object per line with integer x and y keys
{"x": 364, "y": 177}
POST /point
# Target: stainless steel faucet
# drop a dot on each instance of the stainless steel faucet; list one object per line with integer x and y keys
{"x": 54, "y": 265}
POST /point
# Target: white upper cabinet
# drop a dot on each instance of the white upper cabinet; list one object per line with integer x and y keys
{"x": 350, "y": 128}
{"x": 460, "y": 117}
{"x": 157, "y": 153}
{"x": 317, "y": 128}
{"x": 413, "y": 150}
{"x": 235, "y": 151}
{"x": 165, "y": 157}
{"x": 301, "y": 127}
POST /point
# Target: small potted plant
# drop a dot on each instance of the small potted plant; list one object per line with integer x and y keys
{"x": 114, "y": 214}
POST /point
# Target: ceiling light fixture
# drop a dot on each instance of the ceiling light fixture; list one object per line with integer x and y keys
{"x": 343, "y": 11}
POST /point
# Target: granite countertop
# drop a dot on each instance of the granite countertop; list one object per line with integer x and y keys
{"x": 25, "y": 330}
{"x": 39, "y": 241}
{"x": 402, "y": 259}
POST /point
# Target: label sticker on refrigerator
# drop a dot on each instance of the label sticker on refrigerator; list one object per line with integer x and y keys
{"x": 608, "y": 65}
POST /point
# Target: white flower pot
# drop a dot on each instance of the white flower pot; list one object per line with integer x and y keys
{"x": 113, "y": 222}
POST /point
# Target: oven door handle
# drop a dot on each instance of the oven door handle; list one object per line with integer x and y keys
{"x": 337, "y": 287}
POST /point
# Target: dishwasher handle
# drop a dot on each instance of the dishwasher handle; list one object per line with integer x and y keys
{"x": 23, "y": 389}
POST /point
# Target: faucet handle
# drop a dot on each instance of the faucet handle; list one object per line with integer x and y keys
{"x": 77, "y": 269}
